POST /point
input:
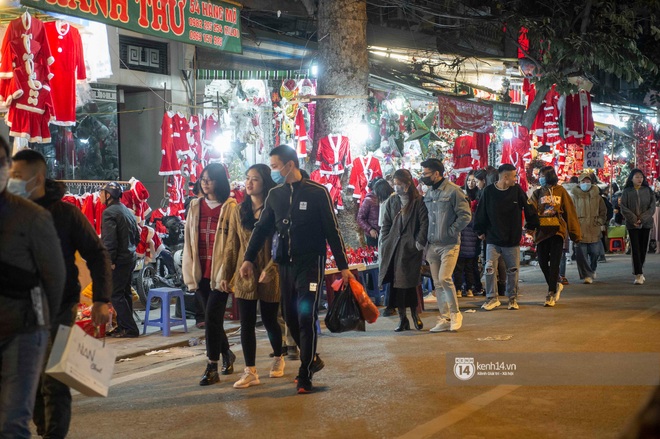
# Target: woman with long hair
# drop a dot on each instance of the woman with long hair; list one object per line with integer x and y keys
{"x": 204, "y": 242}
{"x": 368, "y": 215}
{"x": 402, "y": 241}
{"x": 637, "y": 204}
{"x": 558, "y": 218}
{"x": 263, "y": 289}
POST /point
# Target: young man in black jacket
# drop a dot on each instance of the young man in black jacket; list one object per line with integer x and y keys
{"x": 498, "y": 221}
{"x": 52, "y": 412}
{"x": 120, "y": 236}
{"x": 300, "y": 212}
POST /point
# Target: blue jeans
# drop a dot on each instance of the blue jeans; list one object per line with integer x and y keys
{"x": 442, "y": 259}
{"x": 511, "y": 256}
{"x": 586, "y": 256}
{"x": 21, "y": 360}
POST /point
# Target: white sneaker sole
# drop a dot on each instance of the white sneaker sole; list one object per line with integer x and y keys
{"x": 276, "y": 374}
{"x": 491, "y": 307}
{"x": 246, "y": 385}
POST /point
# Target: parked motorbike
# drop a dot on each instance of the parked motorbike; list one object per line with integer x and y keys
{"x": 166, "y": 269}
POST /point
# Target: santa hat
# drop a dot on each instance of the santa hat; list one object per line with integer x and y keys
{"x": 307, "y": 87}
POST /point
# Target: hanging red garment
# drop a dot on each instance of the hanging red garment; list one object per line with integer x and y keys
{"x": 364, "y": 170}
{"x": 175, "y": 192}
{"x": 98, "y": 213}
{"x": 516, "y": 151}
{"x": 578, "y": 119}
{"x": 530, "y": 91}
{"x": 196, "y": 135}
{"x": 546, "y": 124}
{"x": 301, "y": 134}
{"x": 211, "y": 130}
{"x": 156, "y": 220}
{"x": 170, "y": 163}
{"x": 333, "y": 184}
{"x": 463, "y": 162}
{"x": 69, "y": 66}
{"x": 480, "y": 151}
{"x": 180, "y": 134}
{"x": 135, "y": 199}
{"x": 334, "y": 154}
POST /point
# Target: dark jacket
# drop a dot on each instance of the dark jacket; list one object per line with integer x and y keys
{"x": 29, "y": 244}
{"x": 499, "y": 215}
{"x": 397, "y": 249}
{"x": 555, "y": 199}
{"x": 469, "y": 242}
{"x": 312, "y": 222}
{"x": 77, "y": 234}
{"x": 119, "y": 233}
{"x": 638, "y": 204}
{"x": 367, "y": 216}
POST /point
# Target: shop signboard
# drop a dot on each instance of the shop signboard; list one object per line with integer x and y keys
{"x": 508, "y": 112}
{"x": 461, "y": 114}
{"x": 594, "y": 156}
{"x": 213, "y": 24}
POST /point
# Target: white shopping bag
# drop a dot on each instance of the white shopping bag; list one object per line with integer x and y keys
{"x": 81, "y": 362}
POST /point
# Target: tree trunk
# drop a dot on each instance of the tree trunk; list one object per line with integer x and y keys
{"x": 343, "y": 70}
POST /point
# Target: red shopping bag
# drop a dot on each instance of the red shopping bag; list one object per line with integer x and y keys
{"x": 367, "y": 308}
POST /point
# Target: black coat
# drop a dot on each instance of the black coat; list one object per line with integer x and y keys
{"x": 120, "y": 234}
{"x": 397, "y": 249}
{"x": 77, "y": 234}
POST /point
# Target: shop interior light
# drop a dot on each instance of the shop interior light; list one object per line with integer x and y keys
{"x": 507, "y": 134}
{"x": 222, "y": 142}
{"x": 360, "y": 132}
{"x": 624, "y": 154}
{"x": 315, "y": 70}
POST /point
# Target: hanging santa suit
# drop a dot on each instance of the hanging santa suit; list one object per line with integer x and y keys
{"x": 24, "y": 79}
{"x": 180, "y": 134}
{"x": 69, "y": 66}
{"x": 211, "y": 130}
{"x": 334, "y": 154}
{"x": 156, "y": 220}
{"x": 301, "y": 134}
{"x": 175, "y": 193}
{"x": 169, "y": 164}
{"x": 364, "y": 170}
{"x": 463, "y": 151}
{"x": 333, "y": 184}
{"x": 546, "y": 124}
{"x": 480, "y": 151}
{"x": 578, "y": 118}
{"x": 136, "y": 199}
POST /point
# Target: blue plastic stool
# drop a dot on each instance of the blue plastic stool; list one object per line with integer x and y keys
{"x": 166, "y": 321}
{"x": 371, "y": 287}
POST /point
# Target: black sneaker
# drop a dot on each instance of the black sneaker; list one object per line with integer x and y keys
{"x": 210, "y": 375}
{"x": 317, "y": 366}
{"x": 228, "y": 363}
{"x": 124, "y": 334}
{"x": 293, "y": 353}
{"x": 304, "y": 386}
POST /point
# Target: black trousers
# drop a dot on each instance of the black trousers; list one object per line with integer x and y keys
{"x": 300, "y": 284}
{"x": 639, "y": 246}
{"x": 248, "y": 312}
{"x": 122, "y": 298}
{"x": 549, "y": 253}
{"x": 215, "y": 305}
{"x": 52, "y": 407}
{"x": 465, "y": 270}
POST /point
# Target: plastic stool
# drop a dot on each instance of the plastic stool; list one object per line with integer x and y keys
{"x": 617, "y": 245}
{"x": 165, "y": 322}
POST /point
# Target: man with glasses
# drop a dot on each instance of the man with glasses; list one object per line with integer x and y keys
{"x": 32, "y": 278}
{"x": 449, "y": 213}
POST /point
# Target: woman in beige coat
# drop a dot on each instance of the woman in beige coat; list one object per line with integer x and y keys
{"x": 263, "y": 288}
{"x": 205, "y": 235}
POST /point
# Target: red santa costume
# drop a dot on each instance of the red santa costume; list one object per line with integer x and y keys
{"x": 24, "y": 79}
{"x": 69, "y": 66}
{"x": 156, "y": 220}
{"x": 364, "y": 170}
{"x": 211, "y": 129}
{"x": 175, "y": 192}
{"x": 169, "y": 164}
{"x": 546, "y": 124}
{"x": 136, "y": 199}
{"x": 301, "y": 134}
{"x": 578, "y": 119}
{"x": 180, "y": 134}
{"x": 464, "y": 147}
{"x": 333, "y": 184}
{"x": 334, "y": 154}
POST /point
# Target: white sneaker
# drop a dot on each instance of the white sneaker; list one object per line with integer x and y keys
{"x": 639, "y": 279}
{"x": 513, "y": 304}
{"x": 442, "y": 326}
{"x": 549, "y": 300}
{"x": 588, "y": 280}
{"x": 456, "y": 321}
{"x": 248, "y": 379}
{"x": 469, "y": 293}
{"x": 277, "y": 369}
{"x": 594, "y": 276}
{"x": 491, "y": 304}
{"x": 643, "y": 278}
{"x": 560, "y": 287}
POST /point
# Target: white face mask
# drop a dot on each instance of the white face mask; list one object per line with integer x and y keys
{"x": 4, "y": 177}
{"x": 19, "y": 187}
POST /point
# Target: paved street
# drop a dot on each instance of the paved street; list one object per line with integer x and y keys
{"x": 381, "y": 384}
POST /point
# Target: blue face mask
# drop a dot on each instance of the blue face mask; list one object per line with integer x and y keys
{"x": 585, "y": 186}
{"x": 542, "y": 181}
{"x": 276, "y": 176}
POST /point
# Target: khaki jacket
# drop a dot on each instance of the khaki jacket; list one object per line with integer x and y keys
{"x": 237, "y": 242}
{"x": 192, "y": 268}
{"x": 591, "y": 212}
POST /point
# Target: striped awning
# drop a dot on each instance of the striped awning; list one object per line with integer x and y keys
{"x": 209, "y": 75}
